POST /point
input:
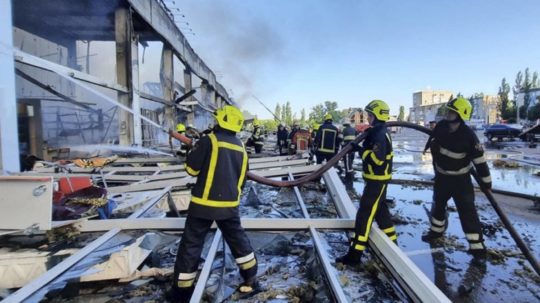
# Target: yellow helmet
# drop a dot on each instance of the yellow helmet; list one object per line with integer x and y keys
{"x": 461, "y": 106}
{"x": 229, "y": 118}
{"x": 180, "y": 128}
{"x": 316, "y": 126}
{"x": 379, "y": 109}
{"x": 256, "y": 123}
{"x": 327, "y": 117}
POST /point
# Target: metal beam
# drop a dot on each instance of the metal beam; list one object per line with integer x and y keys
{"x": 417, "y": 285}
{"x": 179, "y": 223}
{"x": 330, "y": 271}
{"x": 9, "y": 136}
{"x": 207, "y": 267}
{"x": 24, "y": 293}
{"x": 34, "y": 61}
{"x": 158, "y": 19}
{"x": 299, "y": 198}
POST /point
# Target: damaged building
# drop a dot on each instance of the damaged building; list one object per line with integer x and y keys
{"x": 92, "y": 87}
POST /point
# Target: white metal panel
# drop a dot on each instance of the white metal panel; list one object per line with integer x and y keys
{"x": 9, "y": 138}
{"x": 26, "y": 201}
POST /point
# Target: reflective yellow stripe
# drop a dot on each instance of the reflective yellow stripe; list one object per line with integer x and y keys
{"x": 376, "y": 160}
{"x": 359, "y": 247}
{"x": 437, "y": 222}
{"x": 211, "y": 167}
{"x": 370, "y": 169}
{"x": 245, "y": 258}
{"x": 479, "y": 160}
{"x": 248, "y": 265}
{"x": 214, "y": 203}
{"x": 462, "y": 171}
{"x": 191, "y": 171}
{"x": 390, "y": 156}
{"x": 187, "y": 276}
{"x": 377, "y": 177}
{"x": 349, "y": 138}
{"x": 231, "y": 146}
{"x": 187, "y": 283}
{"x": 452, "y": 154}
{"x": 242, "y": 173}
{"x": 389, "y": 229}
{"x": 371, "y": 216}
{"x": 323, "y": 148}
{"x": 393, "y": 238}
{"x": 365, "y": 154}
{"x": 486, "y": 179}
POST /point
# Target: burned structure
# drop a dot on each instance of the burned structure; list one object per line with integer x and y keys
{"x": 83, "y": 78}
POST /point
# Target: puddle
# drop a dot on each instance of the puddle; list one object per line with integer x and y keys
{"x": 505, "y": 276}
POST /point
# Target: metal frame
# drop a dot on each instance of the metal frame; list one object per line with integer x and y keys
{"x": 32, "y": 287}
{"x": 207, "y": 267}
{"x": 415, "y": 283}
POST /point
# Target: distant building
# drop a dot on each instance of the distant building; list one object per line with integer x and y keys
{"x": 485, "y": 109}
{"x": 426, "y": 103}
{"x": 356, "y": 116}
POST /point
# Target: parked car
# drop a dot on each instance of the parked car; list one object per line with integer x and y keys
{"x": 501, "y": 131}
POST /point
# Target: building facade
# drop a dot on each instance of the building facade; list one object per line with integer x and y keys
{"x": 426, "y": 103}
{"x": 485, "y": 110}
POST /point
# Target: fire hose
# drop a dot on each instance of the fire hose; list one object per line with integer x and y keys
{"x": 349, "y": 147}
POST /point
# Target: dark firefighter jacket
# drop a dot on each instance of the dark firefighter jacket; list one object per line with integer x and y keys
{"x": 377, "y": 154}
{"x": 349, "y": 134}
{"x": 282, "y": 136}
{"x": 257, "y": 137}
{"x": 455, "y": 153}
{"x": 326, "y": 139}
{"x": 220, "y": 162}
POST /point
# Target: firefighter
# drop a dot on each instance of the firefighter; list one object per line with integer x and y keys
{"x": 292, "y": 147}
{"x": 326, "y": 140}
{"x": 455, "y": 149}
{"x": 282, "y": 135}
{"x": 349, "y": 134}
{"x": 256, "y": 140}
{"x": 183, "y": 150}
{"x": 376, "y": 153}
{"x": 220, "y": 162}
{"x": 312, "y": 145}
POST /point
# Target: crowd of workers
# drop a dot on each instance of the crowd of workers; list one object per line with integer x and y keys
{"x": 219, "y": 161}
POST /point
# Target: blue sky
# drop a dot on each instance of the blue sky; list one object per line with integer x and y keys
{"x": 351, "y": 52}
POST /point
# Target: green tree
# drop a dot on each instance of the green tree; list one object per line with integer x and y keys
{"x": 288, "y": 113}
{"x": 277, "y": 111}
{"x": 317, "y": 113}
{"x": 527, "y": 84}
{"x": 503, "y": 103}
{"x": 401, "y": 116}
{"x": 534, "y": 112}
{"x": 303, "y": 115}
{"x": 534, "y": 81}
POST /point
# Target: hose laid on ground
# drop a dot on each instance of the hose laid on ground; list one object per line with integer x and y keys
{"x": 318, "y": 173}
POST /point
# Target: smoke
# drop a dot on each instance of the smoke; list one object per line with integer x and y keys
{"x": 235, "y": 46}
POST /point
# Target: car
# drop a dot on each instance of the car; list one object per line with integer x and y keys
{"x": 501, "y": 131}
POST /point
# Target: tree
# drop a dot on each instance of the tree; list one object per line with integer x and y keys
{"x": 503, "y": 104}
{"x": 317, "y": 113}
{"x": 277, "y": 111}
{"x": 303, "y": 116}
{"x": 401, "y": 116}
{"x": 288, "y": 113}
{"x": 534, "y": 81}
{"x": 527, "y": 96}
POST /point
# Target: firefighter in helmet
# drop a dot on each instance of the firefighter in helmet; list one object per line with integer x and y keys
{"x": 184, "y": 148}
{"x": 349, "y": 134}
{"x": 455, "y": 149}
{"x": 220, "y": 162}
{"x": 326, "y": 140}
{"x": 376, "y": 153}
{"x": 256, "y": 140}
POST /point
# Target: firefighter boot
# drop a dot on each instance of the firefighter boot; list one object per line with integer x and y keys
{"x": 351, "y": 258}
{"x": 179, "y": 294}
{"x": 430, "y": 236}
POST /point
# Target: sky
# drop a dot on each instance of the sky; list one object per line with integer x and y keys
{"x": 354, "y": 51}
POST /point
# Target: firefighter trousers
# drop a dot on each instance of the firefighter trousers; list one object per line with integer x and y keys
{"x": 459, "y": 188}
{"x": 372, "y": 207}
{"x": 348, "y": 162}
{"x": 321, "y": 157}
{"x": 191, "y": 245}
